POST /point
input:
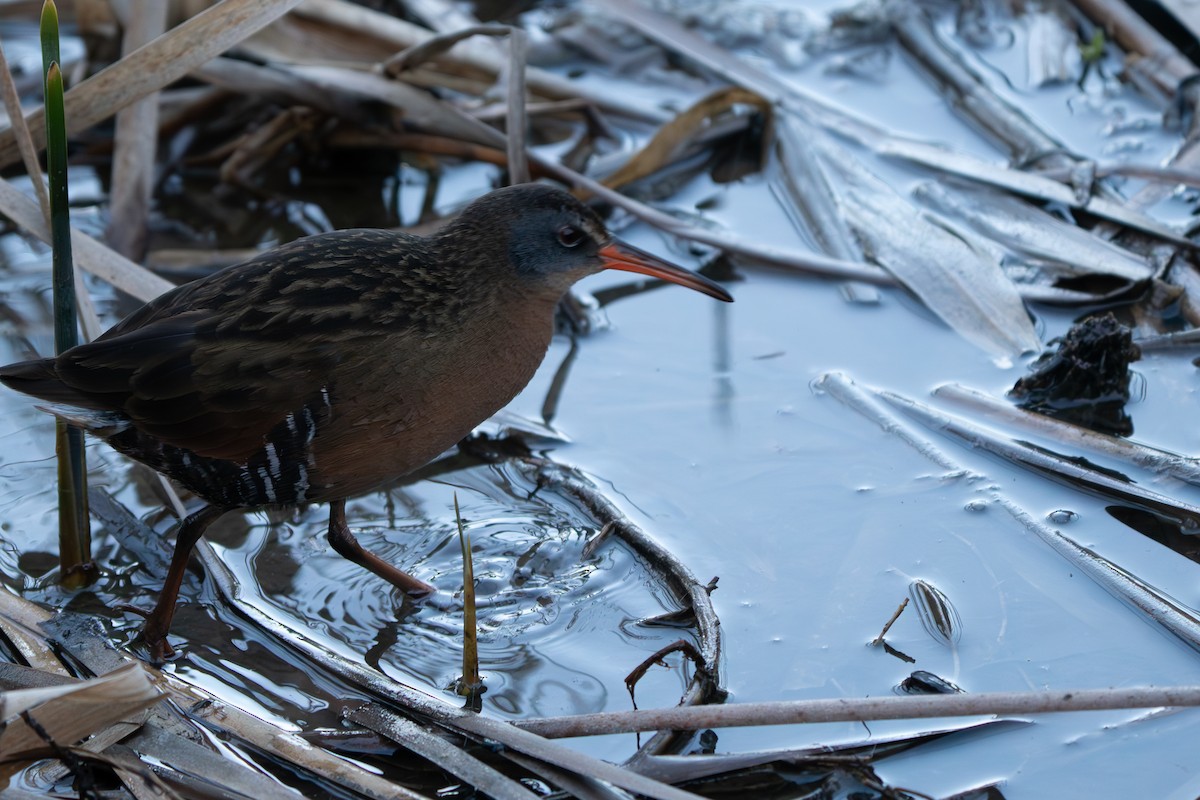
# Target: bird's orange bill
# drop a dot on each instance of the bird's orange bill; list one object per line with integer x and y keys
{"x": 619, "y": 255}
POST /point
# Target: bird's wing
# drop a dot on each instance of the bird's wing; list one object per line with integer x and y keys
{"x": 173, "y": 382}
{"x": 214, "y": 366}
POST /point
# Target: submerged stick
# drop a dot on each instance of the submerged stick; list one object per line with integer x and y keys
{"x": 449, "y": 757}
{"x": 840, "y": 386}
{"x": 1153, "y": 603}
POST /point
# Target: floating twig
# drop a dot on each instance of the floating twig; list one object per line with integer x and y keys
{"x": 803, "y": 712}
{"x": 841, "y": 387}
{"x": 681, "y": 646}
{"x": 887, "y": 626}
{"x": 1155, "y": 604}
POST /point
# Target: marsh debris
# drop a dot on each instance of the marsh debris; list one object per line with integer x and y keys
{"x": 1086, "y": 380}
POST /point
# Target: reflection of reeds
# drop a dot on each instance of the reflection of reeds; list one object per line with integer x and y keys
{"x": 74, "y": 528}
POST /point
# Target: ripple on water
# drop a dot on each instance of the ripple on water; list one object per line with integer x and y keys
{"x": 558, "y": 632}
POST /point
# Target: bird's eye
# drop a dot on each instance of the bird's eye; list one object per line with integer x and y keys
{"x": 569, "y": 236}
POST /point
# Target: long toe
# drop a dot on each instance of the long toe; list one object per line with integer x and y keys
{"x": 154, "y": 637}
{"x": 413, "y": 587}
{"x": 160, "y": 649}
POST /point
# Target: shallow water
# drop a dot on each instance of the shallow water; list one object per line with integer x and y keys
{"x": 701, "y": 420}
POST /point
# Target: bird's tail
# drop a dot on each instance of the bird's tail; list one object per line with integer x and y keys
{"x": 36, "y": 378}
{"x": 39, "y": 379}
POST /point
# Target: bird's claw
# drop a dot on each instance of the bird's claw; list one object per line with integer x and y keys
{"x": 153, "y": 634}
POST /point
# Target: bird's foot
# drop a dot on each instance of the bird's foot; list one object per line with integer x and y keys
{"x": 153, "y": 634}
{"x": 344, "y": 544}
{"x": 413, "y": 587}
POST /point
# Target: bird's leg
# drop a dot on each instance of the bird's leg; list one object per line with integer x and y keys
{"x": 345, "y": 545}
{"x": 158, "y": 621}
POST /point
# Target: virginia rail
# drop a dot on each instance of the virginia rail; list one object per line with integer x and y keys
{"x": 330, "y": 366}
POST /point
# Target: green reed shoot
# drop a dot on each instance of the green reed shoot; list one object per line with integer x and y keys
{"x": 470, "y": 685}
{"x": 74, "y": 535}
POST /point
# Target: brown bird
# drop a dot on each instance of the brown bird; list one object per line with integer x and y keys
{"x": 330, "y": 366}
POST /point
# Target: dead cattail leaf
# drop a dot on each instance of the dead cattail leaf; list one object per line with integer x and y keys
{"x": 165, "y": 60}
{"x": 672, "y": 139}
{"x": 70, "y": 713}
{"x": 19, "y": 621}
{"x": 90, "y": 254}
{"x": 432, "y": 48}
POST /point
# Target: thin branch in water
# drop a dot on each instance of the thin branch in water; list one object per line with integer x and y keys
{"x": 887, "y": 626}
{"x": 437, "y": 750}
{"x": 1103, "y": 483}
{"x": 847, "y": 709}
{"x": 639, "y": 672}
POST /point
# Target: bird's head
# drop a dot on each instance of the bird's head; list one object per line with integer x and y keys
{"x": 553, "y": 240}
